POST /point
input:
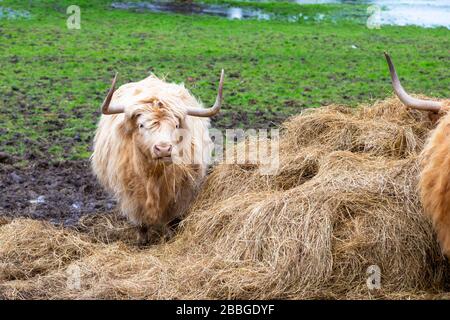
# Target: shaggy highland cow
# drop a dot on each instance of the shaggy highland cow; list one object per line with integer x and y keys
{"x": 434, "y": 183}
{"x": 152, "y": 148}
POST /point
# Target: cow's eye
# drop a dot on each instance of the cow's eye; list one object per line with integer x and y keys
{"x": 141, "y": 125}
{"x": 177, "y": 126}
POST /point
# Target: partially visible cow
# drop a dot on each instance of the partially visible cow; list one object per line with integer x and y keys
{"x": 152, "y": 148}
{"x": 434, "y": 181}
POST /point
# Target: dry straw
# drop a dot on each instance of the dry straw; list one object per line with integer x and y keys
{"x": 345, "y": 198}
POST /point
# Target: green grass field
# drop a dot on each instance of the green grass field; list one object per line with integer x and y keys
{"x": 53, "y": 79}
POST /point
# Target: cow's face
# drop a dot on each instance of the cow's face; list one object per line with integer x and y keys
{"x": 154, "y": 128}
{"x": 153, "y": 124}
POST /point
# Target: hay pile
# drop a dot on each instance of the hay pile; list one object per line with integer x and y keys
{"x": 345, "y": 198}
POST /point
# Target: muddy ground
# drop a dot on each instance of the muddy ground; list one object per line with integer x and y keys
{"x": 59, "y": 192}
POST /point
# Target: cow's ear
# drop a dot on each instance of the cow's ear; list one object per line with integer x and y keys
{"x": 434, "y": 117}
{"x": 126, "y": 128}
{"x": 129, "y": 124}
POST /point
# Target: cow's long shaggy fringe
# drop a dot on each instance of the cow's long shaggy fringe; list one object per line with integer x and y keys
{"x": 345, "y": 199}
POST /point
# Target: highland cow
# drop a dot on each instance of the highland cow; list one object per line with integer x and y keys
{"x": 434, "y": 182}
{"x": 152, "y": 149}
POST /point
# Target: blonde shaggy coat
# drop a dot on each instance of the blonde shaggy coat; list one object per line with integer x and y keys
{"x": 435, "y": 179}
{"x": 150, "y": 192}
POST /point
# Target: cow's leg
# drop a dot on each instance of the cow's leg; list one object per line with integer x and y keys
{"x": 153, "y": 234}
{"x": 142, "y": 236}
{"x": 153, "y": 210}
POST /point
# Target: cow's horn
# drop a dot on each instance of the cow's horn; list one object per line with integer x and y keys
{"x": 404, "y": 97}
{"x": 107, "y": 107}
{"x": 199, "y": 112}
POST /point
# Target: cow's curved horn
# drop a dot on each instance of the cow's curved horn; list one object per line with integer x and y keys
{"x": 199, "y": 112}
{"x": 404, "y": 97}
{"x": 107, "y": 107}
